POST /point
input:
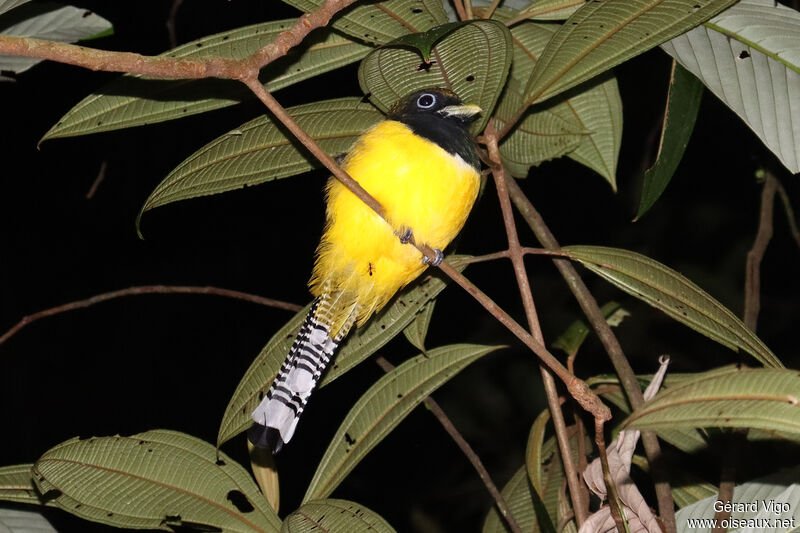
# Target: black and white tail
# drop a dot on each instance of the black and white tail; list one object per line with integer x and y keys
{"x": 277, "y": 415}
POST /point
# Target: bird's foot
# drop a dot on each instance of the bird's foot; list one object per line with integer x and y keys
{"x": 436, "y": 261}
{"x": 404, "y": 234}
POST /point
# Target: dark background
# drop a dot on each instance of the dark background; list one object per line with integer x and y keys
{"x": 172, "y": 361}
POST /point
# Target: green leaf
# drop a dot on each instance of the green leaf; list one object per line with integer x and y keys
{"x": 549, "y": 10}
{"x": 523, "y": 503}
{"x": 472, "y": 61}
{"x": 49, "y": 21}
{"x": 688, "y": 440}
{"x": 385, "y": 405}
{"x": 669, "y": 291}
{"x": 601, "y": 35}
{"x": 261, "y": 151}
{"x": 24, "y": 521}
{"x": 381, "y": 22}
{"x": 770, "y": 502}
{"x": 423, "y": 42}
{"x": 540, "y": 136}
{"x": 687, "y": 488}
{"x": 416, "y": 331}
{"x": 764, "y": 398}
{"x": 155, "y": 479}
{"x": 16, "y": 485}
{"x": 594, "y": 110}
{"x": 359, "y": 345}
{"x": 683, "y": 103}
{"x": 749, "y": 57}
{"x": 334, "y": 516}
{"x": 133, "y": 100}
{"x": 534, "y": 458}
{"x": 571, "y": 340}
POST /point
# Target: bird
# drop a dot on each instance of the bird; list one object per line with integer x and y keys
{"x": 421, "y": 165}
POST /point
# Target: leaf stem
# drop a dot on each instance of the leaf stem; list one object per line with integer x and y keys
{"x": 467, "y": 450}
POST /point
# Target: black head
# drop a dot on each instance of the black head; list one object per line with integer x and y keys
{"x": 441, "y": 117}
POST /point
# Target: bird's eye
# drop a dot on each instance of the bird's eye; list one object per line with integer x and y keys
{"x": 426, "y": 101}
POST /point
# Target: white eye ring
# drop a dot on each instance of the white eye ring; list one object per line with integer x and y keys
{"x": 426, "y": 101}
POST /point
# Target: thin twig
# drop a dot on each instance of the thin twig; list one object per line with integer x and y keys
{"x": 752, "y": 278}
{"x": 487, "y": 257}
{"x": 470, "y": 454}
{"x": 101, "y": 174}
{"x": 147, "y": 289}
{"x": 610, "y": 343}
{"x": 460, "y": 11}
{"x": 173, "y": 13}
{"x": 787, "y": 206}
{"x": 613, "y": 495}
{"x": 578, "y": 494}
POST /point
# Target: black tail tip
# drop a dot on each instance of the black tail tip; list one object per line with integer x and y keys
{"x": 265, "y": 437}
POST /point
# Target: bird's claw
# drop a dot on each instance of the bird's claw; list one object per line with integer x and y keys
{"x": 405, "y": 235}
{"x": 436, "y": 261}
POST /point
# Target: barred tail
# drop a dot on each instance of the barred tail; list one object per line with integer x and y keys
{"x": 277, "y": 415}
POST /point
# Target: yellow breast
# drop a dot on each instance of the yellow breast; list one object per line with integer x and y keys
{"x": 420, "y": 186}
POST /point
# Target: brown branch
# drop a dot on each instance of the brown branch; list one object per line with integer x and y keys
{"x": 578, "y": 494}
{"x": 164, "y": 67}
{"x": 147, "y": 289}
{"x": 460, "y": 11}
{"x": 752, "y": 278}
{"x": 613, "y": 495}
{"x": 173, "y": 13}
{"x": 467, "y": 450}
{"x": 621, "y": 365}
{"x": 101, "y": 174}
{"x": 787, "y": 206}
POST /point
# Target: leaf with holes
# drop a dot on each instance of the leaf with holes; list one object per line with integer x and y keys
{"x": 134, "y": 100}
{"x": 16, "y": 485}
{"x": 763, "y": 398}
{"x": 472, "y": 61}
{"x": 261, "y": 151}
{"x": 416, "y": 331}
{"x": 601, "y": 35}
{"x": 359, "y": 345}
{"x": 594, "y": 109}
{"x": 667, "y": 290}
{"x": 381, "y": 22}
{"x": 155, "y": 479}
{"x": 749, "y": 57}
{"x": 384, "y": 406}
{"x": 540, "y": 136}
{"x": 335, "y": 515}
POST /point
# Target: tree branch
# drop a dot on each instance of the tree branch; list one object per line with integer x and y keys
{"x": 621, "y": 365}
{"x": 752, "y": 278}
{"x": 470, "y": 454}
{"x": 578, "y": 494}
{"x": 147, "y": 289}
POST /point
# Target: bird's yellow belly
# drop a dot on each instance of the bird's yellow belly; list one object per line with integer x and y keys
{"x": 421, "y": 187}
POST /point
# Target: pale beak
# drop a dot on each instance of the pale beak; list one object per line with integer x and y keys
{"x": 465, "y": 112}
